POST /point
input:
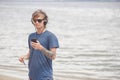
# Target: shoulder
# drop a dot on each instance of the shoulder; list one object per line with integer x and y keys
{"x": 49, "y": 33}
{"x": 53, "y": 40}
{"x": 31, "y": 34}
{"x": 51, "y": 36}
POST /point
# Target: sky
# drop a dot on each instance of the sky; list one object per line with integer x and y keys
{"x": 55, "y": 0}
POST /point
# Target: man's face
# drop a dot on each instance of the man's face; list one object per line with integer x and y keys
{"x": 39, "y": 21}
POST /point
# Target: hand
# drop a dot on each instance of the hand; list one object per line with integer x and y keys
{"x": 37, "y": 45}
{"x": 21, "y": 59}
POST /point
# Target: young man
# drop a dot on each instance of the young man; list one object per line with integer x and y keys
{"x": 42, "y": 49}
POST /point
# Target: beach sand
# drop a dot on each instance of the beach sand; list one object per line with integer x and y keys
{"x": 3, "y": 77}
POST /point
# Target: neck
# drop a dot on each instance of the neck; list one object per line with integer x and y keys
{"x": 41, "y": 30}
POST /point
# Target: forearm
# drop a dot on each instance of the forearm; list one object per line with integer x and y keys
{"x": 27, "y": 55}
{"x": 48, "y": 53}
{"x": 24, "y": 57}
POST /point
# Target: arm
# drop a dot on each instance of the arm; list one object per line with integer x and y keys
{"x": 49, "y": 53}
{"x": 22, "y": 58}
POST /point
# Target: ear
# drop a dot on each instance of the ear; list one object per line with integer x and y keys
{"x": 45, "y": 22}
{"x": 32, "y": 21}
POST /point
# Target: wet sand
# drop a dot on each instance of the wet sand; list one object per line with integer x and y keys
{"x": 14, "y": 73}
{"x": 3, "y": 77}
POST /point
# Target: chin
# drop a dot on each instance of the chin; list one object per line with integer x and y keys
{"x": 38, "y": 27}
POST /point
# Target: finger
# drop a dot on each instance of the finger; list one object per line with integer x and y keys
{"x": 33, "y": 42}
{"x": 38, "y": 41}
{"x": 21, "y": 59}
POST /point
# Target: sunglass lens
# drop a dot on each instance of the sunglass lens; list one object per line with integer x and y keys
{"x": 39, "y": 20}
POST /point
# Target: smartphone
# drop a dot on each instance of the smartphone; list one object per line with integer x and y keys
{"x": 34, "y": 40}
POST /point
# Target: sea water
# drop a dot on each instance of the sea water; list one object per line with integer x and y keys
{"x": 88, "y": 34}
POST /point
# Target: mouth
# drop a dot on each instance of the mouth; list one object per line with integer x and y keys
{"x": 38, "y": 27}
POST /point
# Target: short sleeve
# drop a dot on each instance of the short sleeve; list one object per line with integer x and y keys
{"x": 29, "y": 41}
{"x": 53, "y": 41}
{"x": 31, "y": 36}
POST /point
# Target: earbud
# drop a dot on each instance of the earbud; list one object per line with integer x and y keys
{"x": 45, "y": 22}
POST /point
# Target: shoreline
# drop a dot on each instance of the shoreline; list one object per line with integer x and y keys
{"x": 4, "y": 77}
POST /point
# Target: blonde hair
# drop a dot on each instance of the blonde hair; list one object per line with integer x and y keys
{"x": 37, "y": 13}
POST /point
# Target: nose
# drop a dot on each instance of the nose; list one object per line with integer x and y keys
{"x": 37, "y": 22}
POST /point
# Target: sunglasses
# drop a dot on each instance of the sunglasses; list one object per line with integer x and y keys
{"x": 38, "y": 20}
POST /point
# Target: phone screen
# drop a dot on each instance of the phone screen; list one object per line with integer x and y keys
{"x": 34, "y": 40}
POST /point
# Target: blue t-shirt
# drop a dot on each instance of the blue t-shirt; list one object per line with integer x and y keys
{"x": 40, "y": 66}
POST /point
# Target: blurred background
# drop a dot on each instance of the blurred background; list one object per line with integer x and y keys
{"x": 88, "y": 33}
